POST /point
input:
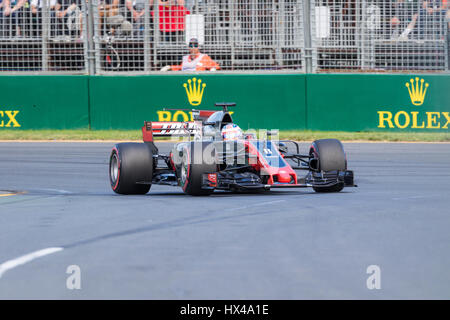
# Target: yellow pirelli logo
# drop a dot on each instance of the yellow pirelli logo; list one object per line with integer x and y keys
{"x": 8, "y": 119}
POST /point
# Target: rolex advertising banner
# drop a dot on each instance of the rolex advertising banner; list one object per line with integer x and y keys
{"x": 262, "y": 101}
{"x": 355, "y": 102}
{"x": 44, "y": 102}
{"x": 328, "y": 102}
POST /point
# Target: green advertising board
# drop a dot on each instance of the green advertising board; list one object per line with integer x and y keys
{"x": 263, "y": 101}
{"x": 331, "y": 102}
{"x": 355, "y": 102}
{"x": 44, "y": 102}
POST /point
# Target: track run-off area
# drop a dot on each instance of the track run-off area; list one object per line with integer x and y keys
{"x": 57, "y": 210}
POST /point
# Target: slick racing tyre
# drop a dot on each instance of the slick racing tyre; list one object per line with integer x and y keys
{"x": 131, "y": 164}
{"x": 329, "y": 156}
{"x": 194, "y": 164}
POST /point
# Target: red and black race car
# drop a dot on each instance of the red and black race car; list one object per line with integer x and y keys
{"x": 206, "y": 161}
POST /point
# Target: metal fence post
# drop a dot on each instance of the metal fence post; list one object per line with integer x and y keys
{"x": 156, "y": 33}
{"x": 147, "y": 64}
{"x": 278, "y": 36}
{"x": 447, "y": 47}
{"x": 45, "y": 34}
{"x": 95, "y": 36}
{"x": 307, "y": 27}
{"x": 89, "y": 16}
{"x": 365, "y": 28}
{"x": 232, "y": 33}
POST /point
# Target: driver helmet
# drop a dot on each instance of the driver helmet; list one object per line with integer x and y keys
{"x": 232, "y": 131}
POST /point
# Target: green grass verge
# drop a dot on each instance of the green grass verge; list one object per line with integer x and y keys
{"x": 367, "y": 136}
{"x": 79, "y": 134}
{"x": 299, "y": 135}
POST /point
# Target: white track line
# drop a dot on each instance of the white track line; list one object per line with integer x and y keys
{"x": 254, "y": 205}
{"x": 11, "y": 264}
{"x": 56, "y": 190}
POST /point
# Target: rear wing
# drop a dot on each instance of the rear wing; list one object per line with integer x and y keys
{"x": 153, "y": 129}
{"x": 225, "y": 105}
{"x": 202, "y": 115}
{"x": 168, "y": 129}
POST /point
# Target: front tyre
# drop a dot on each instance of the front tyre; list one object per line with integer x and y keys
{"x": 196, "y": 162}
{"x": 131, "y": 168}
{"x": 328, "y": 157}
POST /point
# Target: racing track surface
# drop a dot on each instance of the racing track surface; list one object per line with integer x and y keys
{"x": 291, "y": 244}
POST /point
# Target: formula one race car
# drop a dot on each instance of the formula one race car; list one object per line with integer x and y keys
{"x": 221, "y": 157}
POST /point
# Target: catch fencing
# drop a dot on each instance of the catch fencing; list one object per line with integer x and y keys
{"x": 146, "y": 36}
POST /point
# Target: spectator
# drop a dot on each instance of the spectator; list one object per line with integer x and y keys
{"x": 2, "y": 23}
{"x": 194, "y": 61}
{"x": 106, "y": 9}
{"x": 429, "y": 20}
{"x": 114, "y": 22}
{"x": 189, "y": 4}
{"x": 172, "y": 19}
{"x": 36, "y": 16}
{"x": 69, "y": 17}
{"x": 11, "y": 15}
{"x": 137, "y": 10}
{"x": 446, "y": 6}
{"x": 405, "y": 14}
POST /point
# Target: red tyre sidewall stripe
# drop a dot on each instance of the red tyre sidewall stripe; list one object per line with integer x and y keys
{"x": 314, "y": 149}
{"x": 316, "y": 154}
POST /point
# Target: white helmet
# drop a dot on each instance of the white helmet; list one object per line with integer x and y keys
{"x": 232, "y": 131}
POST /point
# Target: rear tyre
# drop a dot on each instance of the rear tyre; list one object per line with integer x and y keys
{"x": 194, "y": 164}
{"x": 329, "y": 157}
{"x": 130, "y": 164}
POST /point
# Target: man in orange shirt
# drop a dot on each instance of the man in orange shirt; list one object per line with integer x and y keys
{"x": 194, "y": 61}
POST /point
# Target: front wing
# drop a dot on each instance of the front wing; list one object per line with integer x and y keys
{"x": 253, "y": 182}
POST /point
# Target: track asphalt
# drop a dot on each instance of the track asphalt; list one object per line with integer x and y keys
{"x": 292, "y": 244}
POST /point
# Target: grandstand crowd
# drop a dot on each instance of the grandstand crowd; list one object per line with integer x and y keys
{"x": 65, "y": 20}
{"x": 23, "y": 18}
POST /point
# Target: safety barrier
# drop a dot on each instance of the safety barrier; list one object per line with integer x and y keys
{"x": 44, "y": 102}
{"x": 124, "y": 102}
{"x": 340, "y": 102}
{"x": 378, "y": 102}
